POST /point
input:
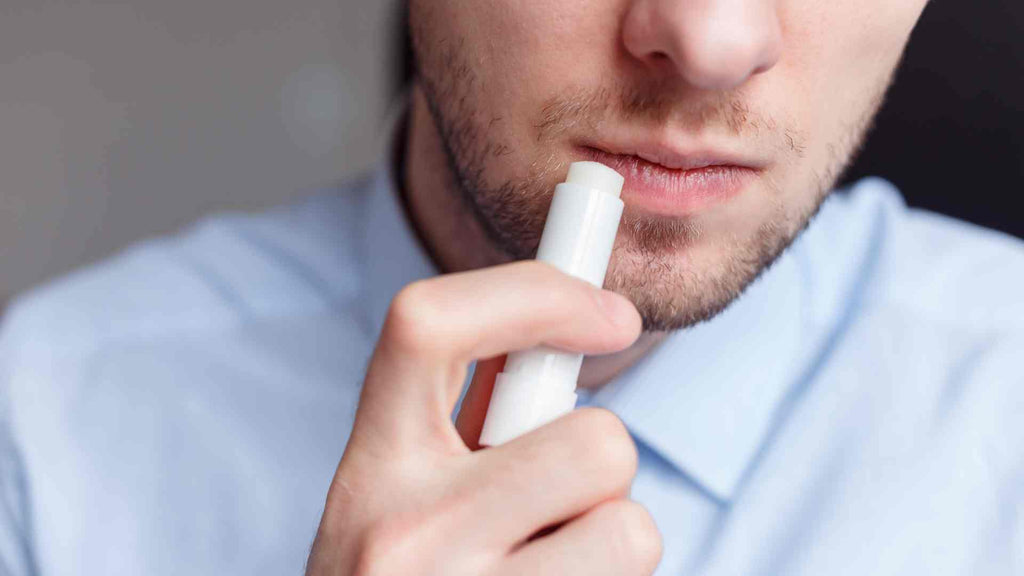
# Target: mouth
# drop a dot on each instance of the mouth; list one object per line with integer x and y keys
{"x": 666, "y": 182}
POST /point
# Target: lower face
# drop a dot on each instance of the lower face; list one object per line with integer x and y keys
{"x": 519, "y": 90}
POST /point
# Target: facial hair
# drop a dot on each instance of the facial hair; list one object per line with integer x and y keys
{"x": 644, "y": 267}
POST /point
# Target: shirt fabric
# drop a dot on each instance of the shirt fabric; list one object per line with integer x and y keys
{"x": 181, "y": 408}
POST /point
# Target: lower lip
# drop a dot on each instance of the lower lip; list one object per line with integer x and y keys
{"x": 657, "y": 189}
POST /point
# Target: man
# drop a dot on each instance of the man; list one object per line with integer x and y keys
{"x": 848, "y": 405}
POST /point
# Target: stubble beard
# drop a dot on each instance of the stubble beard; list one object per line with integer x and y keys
{"x": 645, "y": 265}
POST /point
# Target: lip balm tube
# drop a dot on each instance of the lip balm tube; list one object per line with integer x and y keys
{"x": 539, "y": 385}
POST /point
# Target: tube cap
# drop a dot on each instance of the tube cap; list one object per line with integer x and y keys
{"x": 595, "y": 176}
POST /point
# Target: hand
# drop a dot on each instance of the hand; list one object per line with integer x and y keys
{"x": 412, "y": 497}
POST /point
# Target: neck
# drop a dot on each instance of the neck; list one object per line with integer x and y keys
{"x": 454, "y": 238}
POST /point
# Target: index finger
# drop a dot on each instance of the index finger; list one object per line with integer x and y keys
{"x": 436, "y": 327}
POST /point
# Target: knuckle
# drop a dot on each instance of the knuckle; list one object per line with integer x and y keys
{"x": 383, "y": 546}
{"x": 400, "y": 542}
{"x": 638, "y": 538}
{"x": 613, "y": 450}
{"x": 412, "y": 317}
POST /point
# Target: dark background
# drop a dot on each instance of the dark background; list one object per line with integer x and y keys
{"x": 951, "y": 133}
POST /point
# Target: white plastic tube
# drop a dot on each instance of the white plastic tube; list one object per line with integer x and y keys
{"x": 539, "y": 385}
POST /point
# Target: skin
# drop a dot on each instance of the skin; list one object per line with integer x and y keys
{"x": 506, "y": 95}
{"x": 790, "y": 86}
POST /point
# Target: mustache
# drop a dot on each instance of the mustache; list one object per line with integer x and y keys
{"x": 587, "y": 110}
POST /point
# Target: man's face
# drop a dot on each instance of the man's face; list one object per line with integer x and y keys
{"x": 730, "y": 120}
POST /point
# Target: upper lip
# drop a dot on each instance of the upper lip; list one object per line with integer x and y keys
{"x": 675, "y": 157}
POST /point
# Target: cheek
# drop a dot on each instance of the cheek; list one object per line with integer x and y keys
{"x": 535, "y": 50}
{"x": 837, "y": 60}
{"x": 845, "y": 44}
{"x": 487, "y": 62}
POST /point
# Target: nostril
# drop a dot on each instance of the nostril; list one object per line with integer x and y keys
{"x": 728, "y": 61}
{"x": 658, "y": 57}
{"x": 707, "y": 44}
{"x": 763, "y": 68}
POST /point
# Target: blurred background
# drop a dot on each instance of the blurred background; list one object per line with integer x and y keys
{"x": 125, "y": 119}
{"x": 121, "y": 119}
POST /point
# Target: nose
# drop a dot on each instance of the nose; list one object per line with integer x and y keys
{"x": 711, "y": 44}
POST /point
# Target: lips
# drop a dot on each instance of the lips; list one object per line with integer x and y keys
{"x": 662, "y": 181}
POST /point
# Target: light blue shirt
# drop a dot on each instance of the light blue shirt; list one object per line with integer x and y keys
{"x": 181, "y": 408}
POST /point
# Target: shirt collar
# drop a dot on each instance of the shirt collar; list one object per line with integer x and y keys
{"x": 704, "y": 400}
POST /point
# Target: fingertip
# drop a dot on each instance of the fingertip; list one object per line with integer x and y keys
{"x": 621, "y": 314}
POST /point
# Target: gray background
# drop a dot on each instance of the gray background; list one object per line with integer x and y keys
{"x": 125, "y": 119}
